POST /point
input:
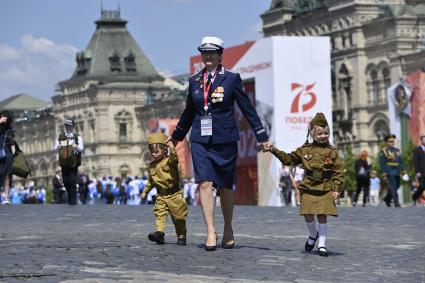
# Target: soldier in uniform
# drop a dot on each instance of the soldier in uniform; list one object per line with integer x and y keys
{"x": 210, "y": 112}
{"x": 391, "y": 168}
{"x": 164, "y": 176}
{"x": 322, "y": 182}
{"x": 70, "y": 146}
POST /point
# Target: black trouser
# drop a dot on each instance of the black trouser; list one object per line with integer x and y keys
{"x": 420, "y": 189}
{"x": 58, "y": 195}
{"x": 69, "y": 176}
{"x": 83, "y": 194}
{"x": 362, "y": 183}
{"x": 286, "y": 194}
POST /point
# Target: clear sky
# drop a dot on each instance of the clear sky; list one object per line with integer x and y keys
{"x": 39, "y": 38}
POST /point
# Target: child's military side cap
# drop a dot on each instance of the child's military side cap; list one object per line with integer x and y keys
{"x": 319, "y": 120}
{"x": 157, "y": 138}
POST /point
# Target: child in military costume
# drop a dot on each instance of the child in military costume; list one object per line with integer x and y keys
{"x": 322, "y": 182}
{"x": 164, "y": 176}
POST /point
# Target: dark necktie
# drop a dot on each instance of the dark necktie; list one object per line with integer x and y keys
{"x": 209, "y": 80}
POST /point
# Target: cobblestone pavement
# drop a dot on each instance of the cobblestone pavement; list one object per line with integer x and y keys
{"x": 59, "y": 243}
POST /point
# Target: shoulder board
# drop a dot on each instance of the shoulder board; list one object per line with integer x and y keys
{"x": 61, "y": 136}
{"x": 331, "y": 146}
{"x": 307, "y": 145}
{"x": 230, "y": 71}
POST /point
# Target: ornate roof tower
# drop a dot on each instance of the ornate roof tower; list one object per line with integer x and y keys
{"x": 113, "y": 54}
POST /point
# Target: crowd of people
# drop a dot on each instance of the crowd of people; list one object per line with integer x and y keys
{"x": 105, "y": 190}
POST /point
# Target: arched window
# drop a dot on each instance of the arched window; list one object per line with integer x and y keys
{"x": 381, "y": 129}
{"x": 123, "y": 122}
{"x": 344, "y": 89}
{"x": 375, "y": 86}
{"x": 387, "y": 81}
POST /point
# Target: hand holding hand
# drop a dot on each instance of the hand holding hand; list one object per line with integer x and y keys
{"x": 335, "y": 195}
{"x": 267, "y": 146}
{"x": 173, "y": 141}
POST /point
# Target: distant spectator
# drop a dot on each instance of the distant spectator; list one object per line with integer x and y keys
{"x": 83, "y": 187}
{"x": 419, "y": 164}
{"x": 7, "y": 139}
{"x": 375, "y": 187}
{"x": 286, "y": 182}
{"x": 361, "y": 170}
{"x": 59, "y": 194}
{"x": 298, "y": 177}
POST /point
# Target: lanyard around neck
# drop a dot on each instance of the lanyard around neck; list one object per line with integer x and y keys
{"x": 207, "y": 88}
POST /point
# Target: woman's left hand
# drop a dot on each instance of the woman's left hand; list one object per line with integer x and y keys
{"x": 266, "y": 146}
{"x": 335, "y": 195}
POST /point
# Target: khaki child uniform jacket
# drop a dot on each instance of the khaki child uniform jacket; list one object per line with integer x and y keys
{"x": 323, "y": 175}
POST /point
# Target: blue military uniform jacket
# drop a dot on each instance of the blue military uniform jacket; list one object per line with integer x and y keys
{"x": 224, "y": 128}
{"x": 390, "y": 161}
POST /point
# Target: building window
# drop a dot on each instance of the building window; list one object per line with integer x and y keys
{"x": 130, "y": 63}
{"x": 123, "y": 132}
{"x": 115, "y": 64}
{"x": 375, "y": 87}
{"x": 387, "y": 81}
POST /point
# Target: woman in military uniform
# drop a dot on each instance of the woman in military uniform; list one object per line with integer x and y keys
{"x": 210, "y": 113}
{"x": 322, "y": 182}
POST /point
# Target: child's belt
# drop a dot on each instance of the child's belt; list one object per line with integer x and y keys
{"x": 166, "y": 192}
{"x": 319, "y": 175}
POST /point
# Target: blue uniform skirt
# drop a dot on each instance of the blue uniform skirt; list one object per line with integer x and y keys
{"x": 215, "y": 163}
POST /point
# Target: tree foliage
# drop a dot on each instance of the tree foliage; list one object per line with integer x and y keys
{"x": 348, "y": 160}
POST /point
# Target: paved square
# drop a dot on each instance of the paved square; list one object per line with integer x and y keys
{"x": 59, "y": 243}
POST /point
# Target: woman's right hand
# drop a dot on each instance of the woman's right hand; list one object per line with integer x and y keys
{"x": 170, "y": 139}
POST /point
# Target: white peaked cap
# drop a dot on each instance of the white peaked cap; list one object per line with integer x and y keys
{"x": 211, "y": 43}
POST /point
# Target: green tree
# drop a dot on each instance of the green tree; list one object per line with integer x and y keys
{"x": 348, "y": 161}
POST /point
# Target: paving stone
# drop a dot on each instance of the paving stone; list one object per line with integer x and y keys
{"x": 59, "y": 243}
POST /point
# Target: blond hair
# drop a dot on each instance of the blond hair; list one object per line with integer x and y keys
{"x": 314, "y": 128}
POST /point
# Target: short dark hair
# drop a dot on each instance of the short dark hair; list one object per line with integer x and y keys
{"x": 9, "y": 117}
{"x": 422, "y": 137}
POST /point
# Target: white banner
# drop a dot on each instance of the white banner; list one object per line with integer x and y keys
{"x": 292, "y": 83}
{"x": 398, "y": 98}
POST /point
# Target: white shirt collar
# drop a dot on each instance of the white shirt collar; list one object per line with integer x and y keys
{"x": 212, "y": 72}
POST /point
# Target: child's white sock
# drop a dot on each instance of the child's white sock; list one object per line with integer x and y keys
{"x": 323, "y": 230}
{"x": 311, "y": 226}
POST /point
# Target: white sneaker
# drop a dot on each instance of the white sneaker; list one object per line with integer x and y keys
{"x": 6, "y": 201}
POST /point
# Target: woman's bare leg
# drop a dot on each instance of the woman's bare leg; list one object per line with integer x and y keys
{"x": 208, "y": 202}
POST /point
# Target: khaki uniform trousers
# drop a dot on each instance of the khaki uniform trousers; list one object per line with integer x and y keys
{"x": 175, "y": 205}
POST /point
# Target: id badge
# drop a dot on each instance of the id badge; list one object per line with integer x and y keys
{"x": 206, "y": 126}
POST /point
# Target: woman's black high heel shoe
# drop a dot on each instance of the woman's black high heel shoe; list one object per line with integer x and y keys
{"x": 212, "y": 248}
{"x": 228, "y": 245}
